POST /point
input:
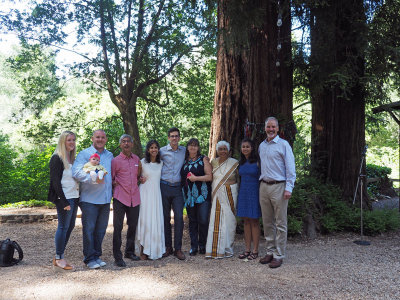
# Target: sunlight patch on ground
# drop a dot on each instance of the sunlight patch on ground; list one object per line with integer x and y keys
{"x": 126, "y": 286}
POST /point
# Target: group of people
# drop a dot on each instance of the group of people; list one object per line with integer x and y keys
{"x": 172, "y": 177}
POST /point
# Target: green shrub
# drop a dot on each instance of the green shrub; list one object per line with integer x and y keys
{"x": 8, "y": 186}
{"x": 321, "y": 201}
{"x": 23, "y": 176}
{"x": 377, "y": 171}
{"x": 33, "y": 175}
{"x": 374, "y": 171}
{"x": 295, "y": 226}
{"x": 379, "y": 221}
{"x": 30, "y": 203}
{"x": 330, "y": 213}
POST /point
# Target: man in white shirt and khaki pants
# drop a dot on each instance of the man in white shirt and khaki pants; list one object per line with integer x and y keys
{"x": 277, "y": 178}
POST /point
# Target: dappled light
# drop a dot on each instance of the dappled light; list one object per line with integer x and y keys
{"x": 124, "y": 285}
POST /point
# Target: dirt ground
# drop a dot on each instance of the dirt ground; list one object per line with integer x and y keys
{"x": 330, "y": 267}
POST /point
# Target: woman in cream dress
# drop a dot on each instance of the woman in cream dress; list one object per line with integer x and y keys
{"x": 150, "y": 228}
{"x": 222, "y": 227}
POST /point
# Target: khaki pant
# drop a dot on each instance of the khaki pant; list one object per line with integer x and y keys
{"x": 274, "y": 215}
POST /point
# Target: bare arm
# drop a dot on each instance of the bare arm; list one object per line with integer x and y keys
{"x": 207, "y": 171}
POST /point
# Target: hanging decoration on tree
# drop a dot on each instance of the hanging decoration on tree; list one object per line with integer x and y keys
{"x": 279, "y": 44}
{"x": 287, "y": 129}
{"x": 253, "y": 130}
{"x": 256, "y": 131}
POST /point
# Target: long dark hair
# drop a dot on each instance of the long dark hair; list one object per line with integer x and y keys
{"x": 147, "y": 154}
{"x": 194, "y": 142}
{"x": 253, "y": 158}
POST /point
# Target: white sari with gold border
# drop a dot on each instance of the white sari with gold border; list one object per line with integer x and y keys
{"x": 222, "y": 226}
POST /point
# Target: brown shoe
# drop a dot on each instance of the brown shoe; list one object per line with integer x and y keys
{"x": 61, "y": 263}
{"x": 275, "y": 263}
{"x": 266, "y": 259}
{"x": 179, "y": 254}
{"x": 168, "y": 252}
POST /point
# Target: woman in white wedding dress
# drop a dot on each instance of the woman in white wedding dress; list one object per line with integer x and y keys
{"x": 150, "y": 228}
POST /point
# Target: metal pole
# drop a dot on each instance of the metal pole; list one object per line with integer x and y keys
{"x": 361, "y": 241}
{"x": 361, "y": 205}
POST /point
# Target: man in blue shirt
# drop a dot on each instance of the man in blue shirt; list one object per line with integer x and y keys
{"x": 95, "y": 199}
{"x": 173, "y": 157}
{"x": 277, "y": 178}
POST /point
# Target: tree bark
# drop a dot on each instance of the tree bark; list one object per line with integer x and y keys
{"x": 249, "y": 84}
{"x": 337, "y": 93}
{"x": 129, "y": 120}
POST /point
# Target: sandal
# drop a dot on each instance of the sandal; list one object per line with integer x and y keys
{"x": 244, "y": 254}
{"x": 253, "y": 255}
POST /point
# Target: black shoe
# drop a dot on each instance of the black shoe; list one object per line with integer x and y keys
{"x": 202, "y": 251}
{"x": 132, "y": 256}
{"x": 193, "y": 252}
{"x": 120, "y": 263}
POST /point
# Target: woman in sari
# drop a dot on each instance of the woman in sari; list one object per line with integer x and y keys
{"x": 222, "y": 227}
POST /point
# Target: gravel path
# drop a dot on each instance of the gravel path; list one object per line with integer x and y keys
{"x": 330, "y": 267}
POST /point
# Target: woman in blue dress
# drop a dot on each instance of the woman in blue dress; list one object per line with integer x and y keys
{"x": 248, "y": 207}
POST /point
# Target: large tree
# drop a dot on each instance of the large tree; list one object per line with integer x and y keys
{"x": 337, "y": 63}
{"x": 254, "y": 70}
{"x": 132, "y": 45}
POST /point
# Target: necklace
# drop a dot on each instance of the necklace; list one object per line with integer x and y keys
{"x": 193, "y": 159}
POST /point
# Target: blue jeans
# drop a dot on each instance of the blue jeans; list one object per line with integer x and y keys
{"x": 66, "y": 223}
{"x": 94, "y": 226}
{"x": 198, "y": 224}
{"x": 172, "y": 198}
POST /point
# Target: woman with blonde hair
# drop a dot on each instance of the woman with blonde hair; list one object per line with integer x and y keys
{"x": 64, "y": 192}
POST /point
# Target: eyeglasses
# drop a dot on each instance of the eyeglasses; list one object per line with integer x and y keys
{"x": 174, "y": 136}
{"x": 126, "y": 141}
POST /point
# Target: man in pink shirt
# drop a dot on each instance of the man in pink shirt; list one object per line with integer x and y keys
{"x": 125, "y": 171}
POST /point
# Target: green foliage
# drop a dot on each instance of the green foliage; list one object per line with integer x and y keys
{"x": 302, "y": 144}
{"x": 79, "y": 112}
{"x": 383, "y": 60}
{"x": 23, "y": 178}
{"x": 312, "y": 197}
{"x": 35, "y": 72}
{"x": 32, "y": 173}
{"x": 113, "y": 127}
{"x": 377, "y": 171}
{"x": 374, "y": 171}
{"x": 378, "y": 221}
{"x": 141, "y": 43}
{"x": 295, "y": 226}
{"x": 29, "y": 203}
{"x": 8, "y": 187}
{"x": 330, "y": 213}
{"x": 190, "y": 107}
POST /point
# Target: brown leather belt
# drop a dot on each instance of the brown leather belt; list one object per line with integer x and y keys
{"x": 274, "y": 181}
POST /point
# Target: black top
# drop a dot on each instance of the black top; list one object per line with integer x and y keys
{"x": 56, "y": 194}
{"x": 198, "y": 191}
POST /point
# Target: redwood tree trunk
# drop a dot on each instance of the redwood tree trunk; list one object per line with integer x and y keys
{"x": 249, "y": 84}
{"x": 338, "y": 100}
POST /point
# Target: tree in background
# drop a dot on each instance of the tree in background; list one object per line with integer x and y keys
{"x": 383, "y": 58}
{"x": 192, "y": 92}
{"x": 338, "y": 35}
{"x": 137, "y": 44}
{"x": 34, "y": 71}
{"x": 254, "y": 69}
